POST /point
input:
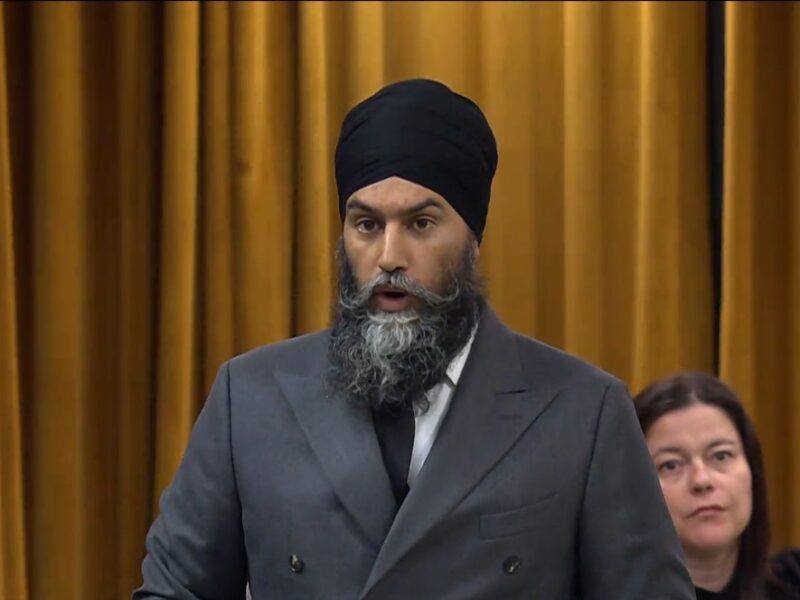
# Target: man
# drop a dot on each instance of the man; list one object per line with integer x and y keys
{"x": 419, "y": 448}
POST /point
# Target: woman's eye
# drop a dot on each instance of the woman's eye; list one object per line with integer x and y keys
{"x": 669, "y": 465}
{"x": 723, "y": 455}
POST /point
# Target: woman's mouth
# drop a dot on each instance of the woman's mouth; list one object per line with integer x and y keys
{"x": 707, "y": 511}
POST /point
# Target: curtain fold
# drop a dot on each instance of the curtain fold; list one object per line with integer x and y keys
{"x": 137, "y": 54}
{"x": 177, "y": 367}
{"x": 13, "y": 581}
{"x": 167, "y": 200}
{"x": 321, "y": 43}
{"x": 56, "y": 457}
{"x": 760, "y": 326}
{"x": 263, "y": 155}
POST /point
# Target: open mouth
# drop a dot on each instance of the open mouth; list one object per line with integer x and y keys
{"x": 391, "y": 299}
{"x": 392, "y": 294}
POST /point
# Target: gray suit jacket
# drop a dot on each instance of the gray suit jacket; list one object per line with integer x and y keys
{"x": 539, "y": 485}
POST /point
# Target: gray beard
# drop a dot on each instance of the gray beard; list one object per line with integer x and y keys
{"x": 388, "y": 360}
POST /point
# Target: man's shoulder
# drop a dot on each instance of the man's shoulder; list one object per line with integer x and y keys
{"x": 301, "y": 353}
{"x": 541, "y": 361}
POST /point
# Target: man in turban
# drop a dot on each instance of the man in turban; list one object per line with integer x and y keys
{"x": 417, "y": 449}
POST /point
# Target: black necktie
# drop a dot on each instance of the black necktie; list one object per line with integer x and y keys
{"x": 395, "y": 431}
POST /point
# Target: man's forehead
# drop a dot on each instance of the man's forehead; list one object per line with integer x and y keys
{"x": 398, "y": 194}
{"x": 395, "y": 182}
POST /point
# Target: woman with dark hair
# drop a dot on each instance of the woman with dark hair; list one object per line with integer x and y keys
{"x": 709, "y": 463}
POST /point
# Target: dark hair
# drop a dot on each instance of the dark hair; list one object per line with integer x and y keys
{"x": 687, "y": 388}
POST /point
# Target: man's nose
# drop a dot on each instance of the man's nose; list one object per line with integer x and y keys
{"x": 394, "y": 256}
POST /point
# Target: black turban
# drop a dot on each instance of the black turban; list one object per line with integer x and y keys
{"x": 424, "y": 132}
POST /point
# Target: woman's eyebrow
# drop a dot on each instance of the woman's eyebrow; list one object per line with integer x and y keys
{"x": 721, "y": 442}
{"x": 667, "y": 449}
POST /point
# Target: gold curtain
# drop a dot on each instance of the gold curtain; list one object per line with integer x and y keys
{"x": 167, "y": 200}
{"x": 13, "y": 583}
{"x": 760, "y": 324}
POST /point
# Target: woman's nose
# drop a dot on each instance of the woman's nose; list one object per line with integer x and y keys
{"x": 701, "y": 480}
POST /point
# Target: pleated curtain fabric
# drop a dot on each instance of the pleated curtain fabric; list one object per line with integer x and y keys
{"x": 760, "y": 317}
{"x": 13, "y": 582}
{"x": 167, "y": 201}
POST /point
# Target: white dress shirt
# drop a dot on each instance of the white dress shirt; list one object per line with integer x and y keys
{"x": 426, "y": 426}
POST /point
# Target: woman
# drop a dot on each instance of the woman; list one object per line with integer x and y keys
{"x": 709, "y": 463}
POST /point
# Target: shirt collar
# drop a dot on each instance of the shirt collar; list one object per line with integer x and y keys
{"x": 456, "y": 365}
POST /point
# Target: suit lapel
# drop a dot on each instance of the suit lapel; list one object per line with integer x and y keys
{"x": 343, "y": 438}
{"x": 491, "y": 408}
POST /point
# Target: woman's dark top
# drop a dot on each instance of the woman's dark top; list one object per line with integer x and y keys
{"x": 783, "y": 585}
{"x": 785, "y": 567}
{"x": 731, "y": 591}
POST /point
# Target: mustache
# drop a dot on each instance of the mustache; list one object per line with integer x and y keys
{"x": 401, "y": 281}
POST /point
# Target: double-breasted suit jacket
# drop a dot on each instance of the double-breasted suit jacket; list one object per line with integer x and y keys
{"x": 539, "y": 485}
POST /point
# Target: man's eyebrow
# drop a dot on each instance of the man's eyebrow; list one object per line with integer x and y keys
{"x": 427, "y": 203}
{"x": 355, "y": 203}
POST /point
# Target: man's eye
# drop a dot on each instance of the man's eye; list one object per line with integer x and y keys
{"x": 422, "y": 223}
{"x": 366, "y": 225}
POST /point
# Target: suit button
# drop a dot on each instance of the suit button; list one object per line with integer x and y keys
{"x": 511, "y": 564}
{"x": 296, "y": 564}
